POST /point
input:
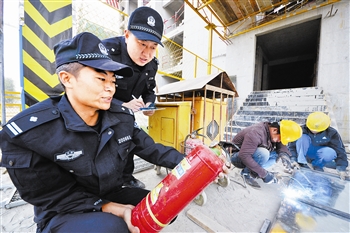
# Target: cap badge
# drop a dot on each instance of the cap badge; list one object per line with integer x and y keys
{"x": 151, "y": 21}
{"x": 103, "y": 49}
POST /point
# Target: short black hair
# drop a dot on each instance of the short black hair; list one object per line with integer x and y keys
{"x": 275, "y": 124}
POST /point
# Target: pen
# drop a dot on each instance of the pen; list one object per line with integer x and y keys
{"x": 133, "y": 96}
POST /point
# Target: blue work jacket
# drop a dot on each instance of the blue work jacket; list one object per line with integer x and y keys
{"x": 330, "y": 138}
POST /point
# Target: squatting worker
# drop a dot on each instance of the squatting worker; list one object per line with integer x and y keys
{"x": 66, "y": 154}
{"x": 259, "y": 146}
{"x": 137, "y": 49}
{"x": 320, "y": 146}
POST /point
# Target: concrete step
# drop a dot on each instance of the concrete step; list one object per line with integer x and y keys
{"x": 297, "y": 108}
{"x": 285, "y": 102}
{"x": 290, "y": 92}
{"x": 257, "y": 118}
{"x": 273, "y": 113}
{"x": 274, "y": 105}
{"x": 284, "y": 98}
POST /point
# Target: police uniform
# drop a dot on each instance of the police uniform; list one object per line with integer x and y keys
{"x": 64, "y": 167}
{"x": 142, "y": 83}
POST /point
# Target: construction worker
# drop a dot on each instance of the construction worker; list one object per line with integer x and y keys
{"x": 259, "y": 146}
{"x": 137, "y": 49}
{"x": 66, "y": 154}
{"x": 320, "y": 145}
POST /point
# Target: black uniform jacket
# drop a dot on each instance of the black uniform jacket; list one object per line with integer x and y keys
{"x": 142, "y": 83}
{"x": 60, "y": 165}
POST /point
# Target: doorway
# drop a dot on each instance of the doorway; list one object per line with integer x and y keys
{"x": 287, "y": 58}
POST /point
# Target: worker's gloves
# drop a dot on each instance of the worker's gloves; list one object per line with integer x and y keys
{"x": 270, "y": 178}
{"x": 342, "y": 172}
{"x": 288, "y": 165}
{"x": 295, "y": 165}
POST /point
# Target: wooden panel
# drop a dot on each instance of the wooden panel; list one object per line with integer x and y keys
{"x": 224, "y": 11}
{"x": 254, "y": 5}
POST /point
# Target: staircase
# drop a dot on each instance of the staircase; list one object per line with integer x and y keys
{"x": 273, "y": 105}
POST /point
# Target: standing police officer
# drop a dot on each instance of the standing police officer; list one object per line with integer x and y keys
{"x": 66, "y": 155}
{"x": 137, "y": 49}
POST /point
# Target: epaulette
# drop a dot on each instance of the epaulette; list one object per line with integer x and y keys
{"x": 120, "y": 109}
{"x": 29, "y": 119}
{"x": 156, "y": 61}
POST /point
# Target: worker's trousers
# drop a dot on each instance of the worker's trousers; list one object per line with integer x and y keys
{"x": 319, "y": 156}
{"x": 262, "y": 156}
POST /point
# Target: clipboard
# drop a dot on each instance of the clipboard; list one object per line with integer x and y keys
{"x": 150, "y": 109}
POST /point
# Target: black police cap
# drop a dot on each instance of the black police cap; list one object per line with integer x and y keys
{"x": 87, "y": 49}
{"x": 146, "y": 24}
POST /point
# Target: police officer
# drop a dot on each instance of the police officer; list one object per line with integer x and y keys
{"x": 66, "y": 154}
{"x": 137, "y": 49}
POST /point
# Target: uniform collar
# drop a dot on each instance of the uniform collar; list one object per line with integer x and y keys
{"x": 74, "y": 122}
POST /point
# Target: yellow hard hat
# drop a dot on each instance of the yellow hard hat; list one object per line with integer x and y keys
{"x": 290, "y": 131}
{"x": 318, "y": 121}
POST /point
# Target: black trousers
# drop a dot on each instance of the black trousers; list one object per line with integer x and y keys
{"x": 96, "y": 221}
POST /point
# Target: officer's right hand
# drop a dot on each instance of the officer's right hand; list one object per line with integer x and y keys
{"x": 270, "y": 178}
{"x": 134, "y": 104}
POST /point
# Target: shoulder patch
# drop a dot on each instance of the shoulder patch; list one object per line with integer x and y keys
{"x": 156, "y": 60}
{"x": 136, "y": 125}
{"x": 29, "y": 120}
{"x": 121, "y": 109}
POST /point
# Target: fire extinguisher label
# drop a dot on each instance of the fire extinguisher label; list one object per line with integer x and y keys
{"x": 181, "y": 168}
{"x": 155, "y": 193}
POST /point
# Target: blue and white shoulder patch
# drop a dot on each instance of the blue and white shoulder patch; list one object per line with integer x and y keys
{"x": 136, "y": 125}
{"x": 29, "y": 121}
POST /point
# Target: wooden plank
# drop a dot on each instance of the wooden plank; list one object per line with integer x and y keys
{"x": 208, "y": 224}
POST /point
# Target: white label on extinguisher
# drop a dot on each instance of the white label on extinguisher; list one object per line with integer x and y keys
{"x": 181, "y": 168}
{"x": 155, "y": 193}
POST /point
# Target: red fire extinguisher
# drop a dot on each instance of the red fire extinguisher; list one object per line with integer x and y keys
{"x": 192, "y": 140}
{"x": 195, "y": 172}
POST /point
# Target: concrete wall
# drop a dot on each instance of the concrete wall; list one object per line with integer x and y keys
{"x": 333, "y": 64}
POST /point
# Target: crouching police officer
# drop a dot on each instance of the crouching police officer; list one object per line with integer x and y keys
{"x": 66, "y": 155}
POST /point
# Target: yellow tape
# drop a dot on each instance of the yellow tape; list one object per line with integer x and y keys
{"x": 152, "y": 215}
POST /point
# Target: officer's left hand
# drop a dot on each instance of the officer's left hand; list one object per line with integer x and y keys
{"x": 150, "y": 112}
{"x": 127, "y": 219}
{"x": 122, "y": 211}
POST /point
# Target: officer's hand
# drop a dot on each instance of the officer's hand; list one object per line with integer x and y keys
{"x": 122, "y": 211}
{"x": 270, "y": 178}
{"x": 150, "y": 112}
{"x": 127, "y": 219}
{"x": 342, "y": 172}
{"x": 134, "y": 104}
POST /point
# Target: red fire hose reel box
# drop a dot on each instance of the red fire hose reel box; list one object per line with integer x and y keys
{"x": 188, "y": 179}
